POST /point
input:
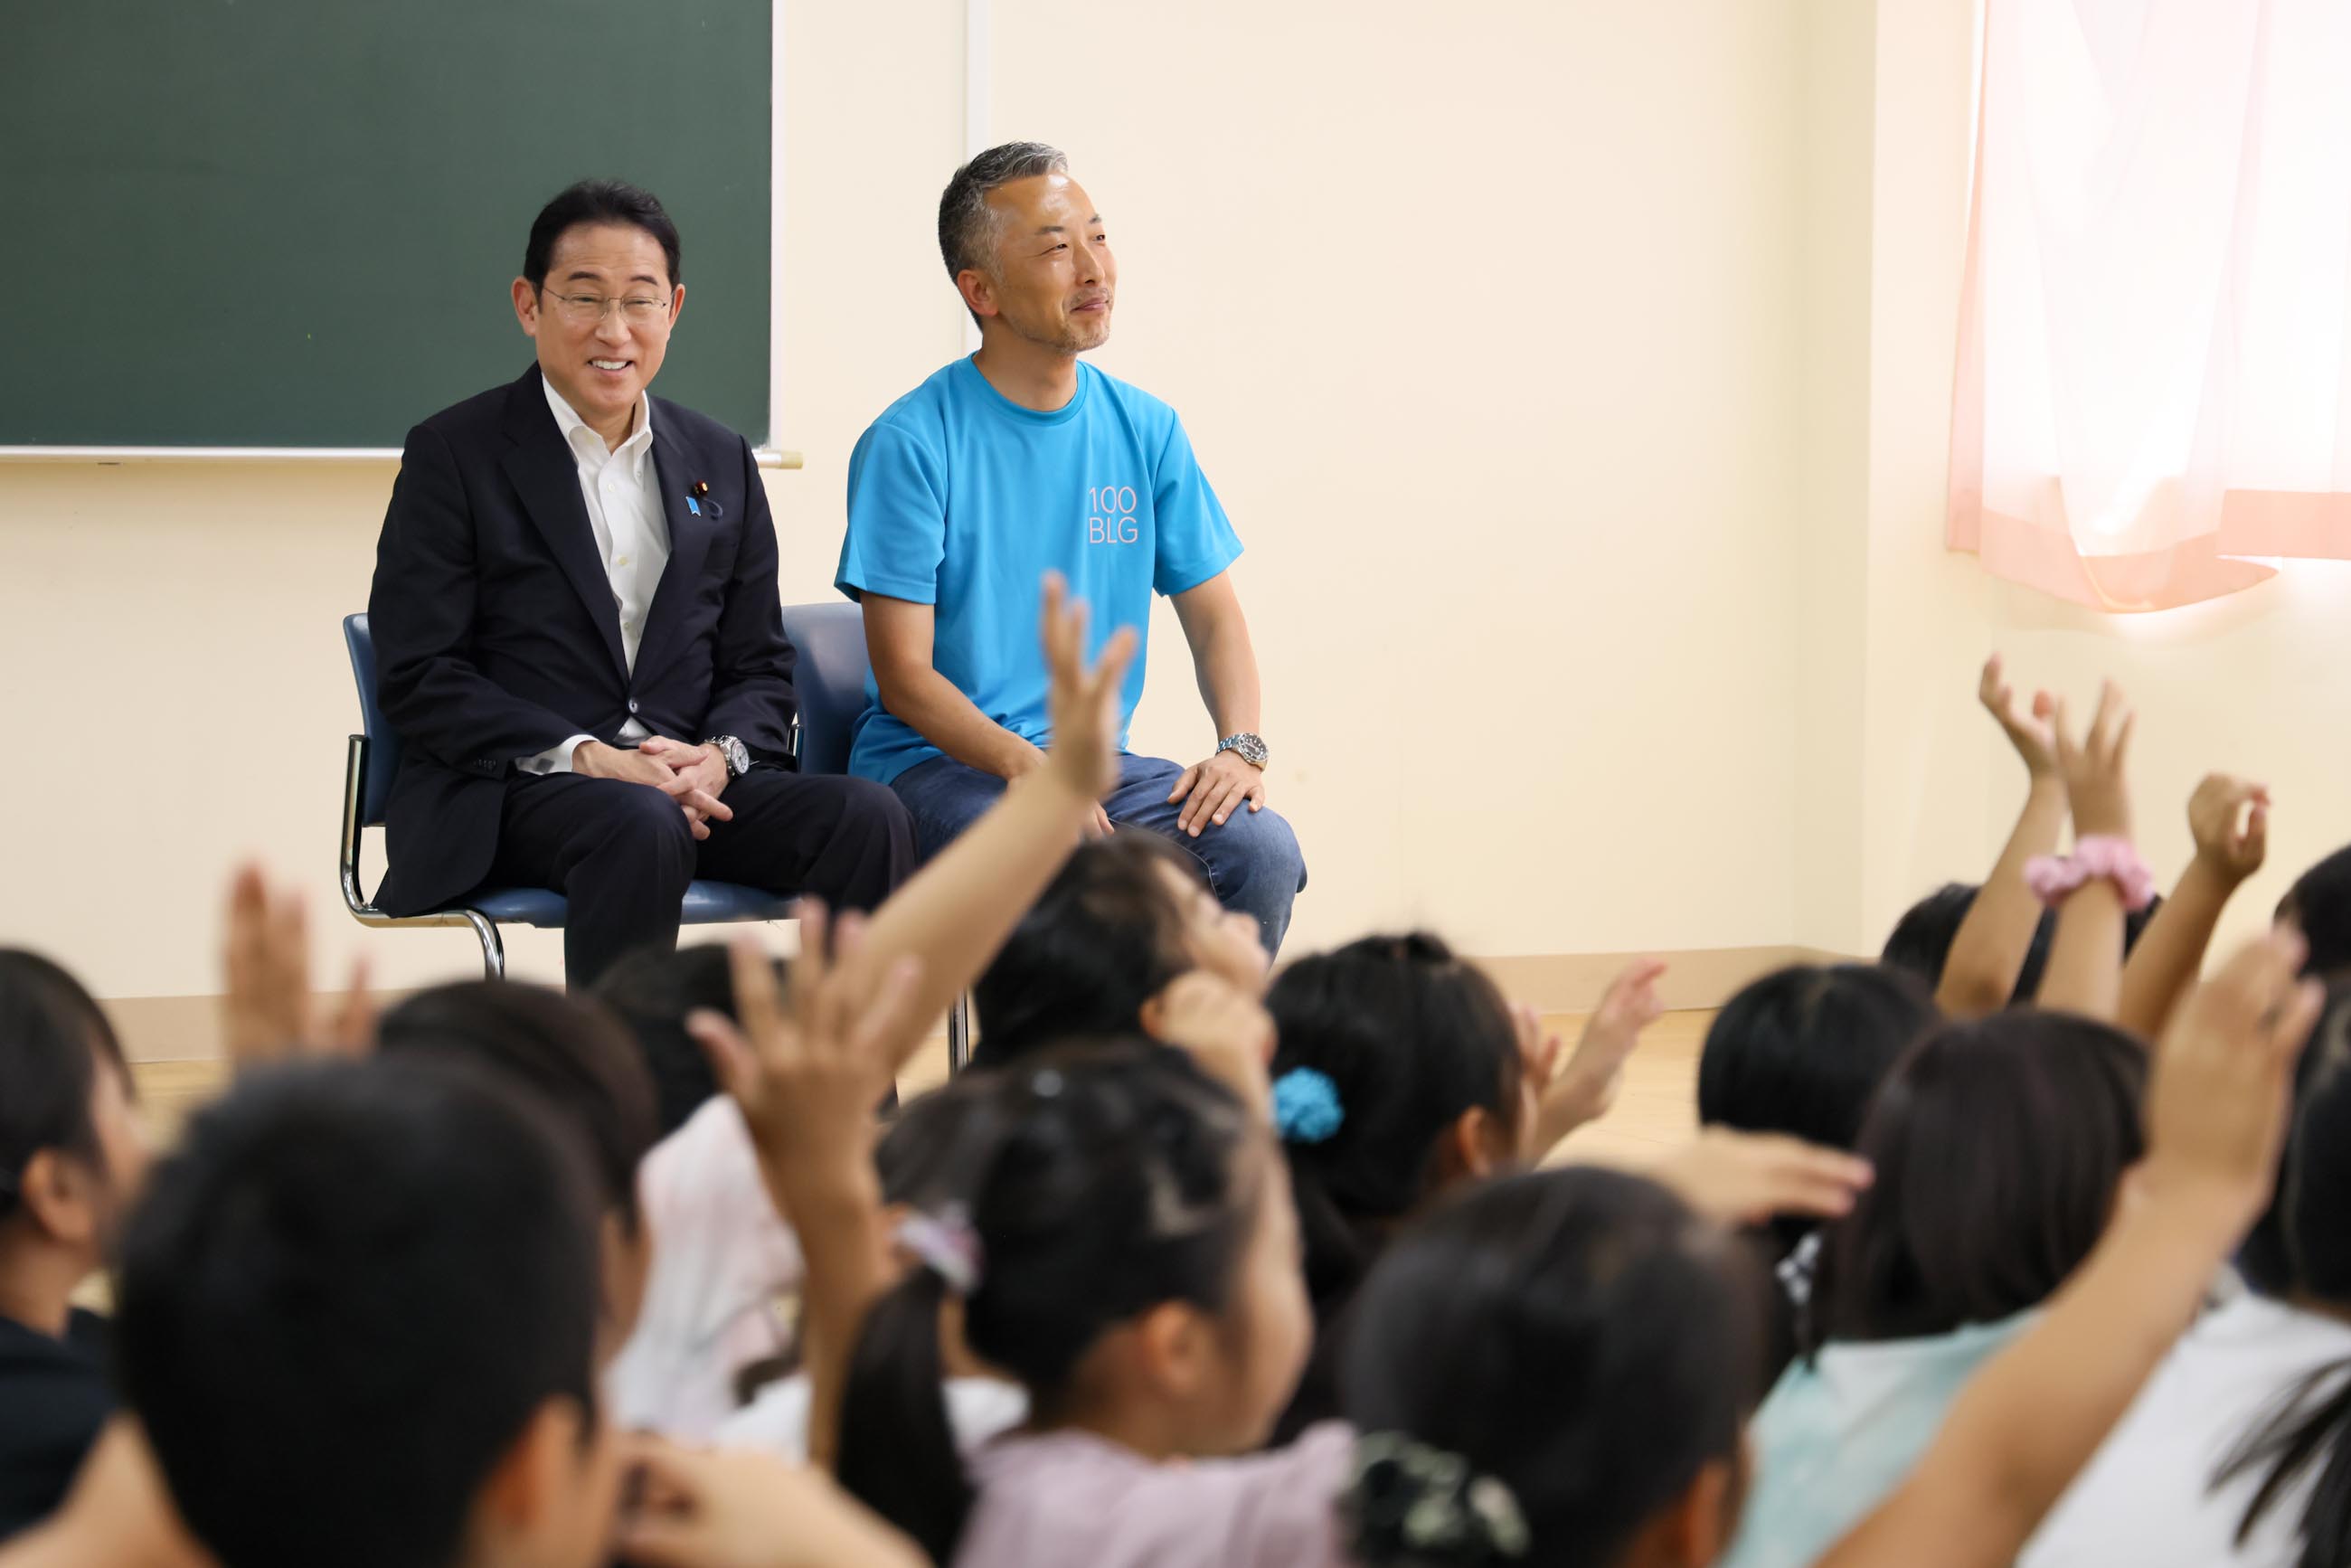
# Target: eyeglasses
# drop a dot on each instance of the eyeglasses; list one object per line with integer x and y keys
{"x": 589, "y": 309}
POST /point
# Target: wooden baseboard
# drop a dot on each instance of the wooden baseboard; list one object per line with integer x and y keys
{"x": 187, "y": 1029}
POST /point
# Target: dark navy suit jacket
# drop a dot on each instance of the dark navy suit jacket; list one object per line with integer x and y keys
{"x": 496, "y": 636}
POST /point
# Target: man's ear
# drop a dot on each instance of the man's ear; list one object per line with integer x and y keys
{"x": 59, "y": 1194}
{"x": 526, "y": 307}
{"x": 676, "y": 304}
{"x": 979, "y": 291}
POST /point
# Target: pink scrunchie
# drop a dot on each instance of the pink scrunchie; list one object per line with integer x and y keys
{"x": 2102, "y": 858}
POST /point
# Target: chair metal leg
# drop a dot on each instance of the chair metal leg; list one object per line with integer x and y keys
{"x": 959, "y": 1033}
{"x": 493, "y": 948}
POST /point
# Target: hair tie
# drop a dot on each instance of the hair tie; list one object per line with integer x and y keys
{"x": 1306, "y": 1108}
{"x": 1408, "y": 1499}
{"x": 946, "y": 1245}
{"x": 2099, "y": 858}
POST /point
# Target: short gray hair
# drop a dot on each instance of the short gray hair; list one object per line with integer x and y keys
{"x": 968, "y": 230}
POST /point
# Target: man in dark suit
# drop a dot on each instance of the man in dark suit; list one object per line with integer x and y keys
{"x": 579, "y": 633}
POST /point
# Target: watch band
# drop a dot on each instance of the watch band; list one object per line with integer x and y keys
{"x": 734, "y": 753}
{"x": 1250, "y": 748}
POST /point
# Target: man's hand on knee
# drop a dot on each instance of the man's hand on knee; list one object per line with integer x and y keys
{"x": 698, "y": 776}
{"x": 1214, "y": 789}
{"x": 689, "y": 785}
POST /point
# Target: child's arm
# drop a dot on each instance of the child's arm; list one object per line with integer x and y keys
{"x": 1226, "y": 1032}
{"x": 1747, "y": 1179}
{"x": 956, "y": 913}
{"x": 747, "y": 1510}
{"x": 808, "y": 1070}
{"x": 2086, "y": 956}
{"x": 2023, "y": 1428}
{"x": 1988, "y": 950}
{"x": 268, "y": 1013}
{"x": 1582, "y": 1088}
{"x": 2230, "y": 820}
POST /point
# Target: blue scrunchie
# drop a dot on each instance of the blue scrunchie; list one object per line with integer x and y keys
{"x": 1306, "y": 1108}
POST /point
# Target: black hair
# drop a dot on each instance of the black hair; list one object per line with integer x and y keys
{"x": 1801, "y": 1051}
{"x": 2319, "y": 905}
{"x": 53, "y": 1038}
{"x": 1999, "y": 1146}
{"x": 1410, "y": 1037}
{"x": 592, "y": 202}
{"x": 1576, "y": 1334}
{"x": 1106, "y": 1179}
{"x": 344, "y": 1299}
{"x": 967, "y": 227}
{"x": 1921, "y": 941}
{"x": 654, "y": 990}
{"x": 2300, "y": 1248}
{"x": 1106, "y": 936}
{"x": 569, "y": 1052}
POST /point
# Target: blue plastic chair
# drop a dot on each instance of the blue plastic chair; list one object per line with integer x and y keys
{"x": 369, "y": 766}
{"x": 830, "y": 680}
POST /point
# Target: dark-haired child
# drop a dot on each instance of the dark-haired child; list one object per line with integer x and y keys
{"x": 1472, "y": 1325}
{"x": 2239, "y": 1452}
{"x": 72, "y": 1158}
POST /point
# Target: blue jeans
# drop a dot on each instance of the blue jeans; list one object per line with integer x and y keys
{"x": 1252, "y": 860}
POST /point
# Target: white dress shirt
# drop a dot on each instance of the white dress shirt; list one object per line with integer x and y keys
{"x": 622, "y": 487}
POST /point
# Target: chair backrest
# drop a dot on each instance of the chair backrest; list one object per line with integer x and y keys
{"x": 829, "y": 679}
{"x": 383, "y": 741}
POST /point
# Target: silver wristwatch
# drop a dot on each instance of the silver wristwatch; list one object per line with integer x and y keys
{"x": 737, "y": 756}
{"x": 1251, "y": 748}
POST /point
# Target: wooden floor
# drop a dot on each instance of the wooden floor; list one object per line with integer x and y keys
{"x": 1657, "y": 1107}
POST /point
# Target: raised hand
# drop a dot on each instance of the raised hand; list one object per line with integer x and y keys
{"x": 1746, "y": 1178}
{"x": 2093, "y": 766}
{"x": 267, "y": 1013}
{"x": 2217, "y": 1102}
{"x": 1084, "y": 704}
{"x": 2230, "y": 820}
{"x": 2031, "y": 729}
{"x": 1224, "y": 1029}
{"x": 809, "y": 1069}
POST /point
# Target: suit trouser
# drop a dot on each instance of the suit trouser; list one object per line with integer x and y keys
{"x": 622, "y": 854}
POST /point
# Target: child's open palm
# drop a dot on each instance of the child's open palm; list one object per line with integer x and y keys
{"x": 1085, "y": 704}
{"x": 2030, "y": 730}
{"x": 2094, "y": 765}
{"x": 809, "y": 1069}
{"x": 2230, "y": 820}
{"x": 2216, "y": 1105}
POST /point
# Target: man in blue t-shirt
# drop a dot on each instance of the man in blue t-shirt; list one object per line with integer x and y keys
{"x": 1018, "y": 461}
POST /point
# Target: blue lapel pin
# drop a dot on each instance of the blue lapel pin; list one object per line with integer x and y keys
{"x": 699, "y": 501}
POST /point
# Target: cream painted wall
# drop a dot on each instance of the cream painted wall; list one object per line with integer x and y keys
{"x": 1479, "y": 316}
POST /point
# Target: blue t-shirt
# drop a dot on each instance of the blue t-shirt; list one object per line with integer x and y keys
{"x": 962, "y": 499}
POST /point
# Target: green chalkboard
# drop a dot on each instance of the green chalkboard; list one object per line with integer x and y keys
{"x": 293, "y": 222}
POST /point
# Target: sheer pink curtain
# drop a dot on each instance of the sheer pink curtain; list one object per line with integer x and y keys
{"x": 2154, "y": 390}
